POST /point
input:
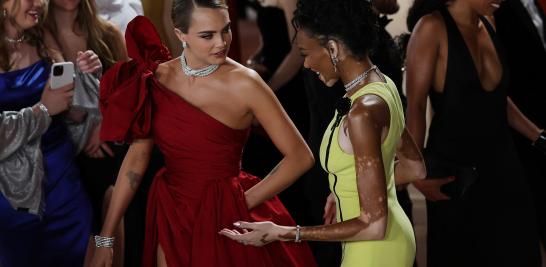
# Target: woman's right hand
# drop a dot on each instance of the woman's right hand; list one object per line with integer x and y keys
{"x": 431, "y": 188}
{"x": 330, "y": 210}
{"x": 57, "y": 100}
{"x": 102, "y": 257}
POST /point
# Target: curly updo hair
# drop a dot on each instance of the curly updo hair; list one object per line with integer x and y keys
{"x": 352, "y": 22}
{"x": 182, "y": 10}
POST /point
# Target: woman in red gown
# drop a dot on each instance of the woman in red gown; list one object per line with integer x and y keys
{"x": 197, "y": 109}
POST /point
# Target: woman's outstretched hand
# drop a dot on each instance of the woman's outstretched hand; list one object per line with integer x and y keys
{"x": 257, "y": 233}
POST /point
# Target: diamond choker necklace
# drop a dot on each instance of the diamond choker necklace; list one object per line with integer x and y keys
{"x": 197, "y": 72}
{"x": 358, "y": 80}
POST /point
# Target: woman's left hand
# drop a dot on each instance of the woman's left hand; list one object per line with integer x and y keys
{"x": 257, "y": 233}
{"x": 88, "y": 62}
{"x": 96, "y": 148}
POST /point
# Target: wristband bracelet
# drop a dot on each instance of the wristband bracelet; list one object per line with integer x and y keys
{"x": 540, "y": 143}
{"x": 43, "y": 108}
{"x": 298, "y": 234}
{"x": 104, "y": 242}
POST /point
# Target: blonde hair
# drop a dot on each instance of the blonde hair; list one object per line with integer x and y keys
{"x": 34, "y": 36}
{"x": 99, "y": 34}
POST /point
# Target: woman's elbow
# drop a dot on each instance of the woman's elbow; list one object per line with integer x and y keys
{"x": 420, "y": 172}
{"x": 379, "y": 230}
{"x": 375, "y": 231}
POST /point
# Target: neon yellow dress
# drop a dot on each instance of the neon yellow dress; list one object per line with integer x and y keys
{"x": 398, "y": 247}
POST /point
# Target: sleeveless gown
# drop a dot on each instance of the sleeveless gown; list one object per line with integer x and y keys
{"x": 201, "y": 188}
{"x": 398, "y": 247}
{"x": 60, "y": 237}
{"x": 493, "y": 225}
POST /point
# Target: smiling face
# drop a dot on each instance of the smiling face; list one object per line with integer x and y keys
{"x": 316, "y": 57}
{"x": 208, "y": 36}
{"x": 24, "y": 13}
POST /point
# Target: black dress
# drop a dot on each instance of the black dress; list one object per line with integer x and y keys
{"x": 524, "y": 49}
{"x": 493, "y": 223}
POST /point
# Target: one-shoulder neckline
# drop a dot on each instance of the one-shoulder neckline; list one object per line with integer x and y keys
{"x": 183, "y": 100}
{"x": 25, "y": 68}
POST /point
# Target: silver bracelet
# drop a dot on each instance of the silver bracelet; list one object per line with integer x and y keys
{"x": 104, "y": 242}
{"x": 298, "y": 234}
{"x": 43, "y": 108}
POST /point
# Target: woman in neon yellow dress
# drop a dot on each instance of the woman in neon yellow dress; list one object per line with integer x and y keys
{"x": 359, "y": 146}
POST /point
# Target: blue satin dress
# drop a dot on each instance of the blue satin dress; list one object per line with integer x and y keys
{"x": 60, "y": 237}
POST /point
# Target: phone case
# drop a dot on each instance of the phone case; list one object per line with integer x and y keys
{"x": 62, "y": 73}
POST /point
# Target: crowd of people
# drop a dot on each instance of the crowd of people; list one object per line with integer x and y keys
{"x": 169, "y": 149}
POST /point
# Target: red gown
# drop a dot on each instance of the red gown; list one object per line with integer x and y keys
{"x": 200, "y": 189}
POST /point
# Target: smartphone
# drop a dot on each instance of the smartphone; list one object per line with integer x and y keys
{"x": 62, "y": 73}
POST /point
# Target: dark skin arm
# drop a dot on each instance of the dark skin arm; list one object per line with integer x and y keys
{"x": 424, "y": 71}
{"x": 368, "y": 117}
{"x": 410, "y": 165}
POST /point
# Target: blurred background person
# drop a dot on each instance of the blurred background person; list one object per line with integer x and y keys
{"x": 119, "y": 12}
{"x": 521, "y": 27}
{"x": 45, "y": 215}
{"x": 455, "y": 57}
{"x": 83, "y": 36}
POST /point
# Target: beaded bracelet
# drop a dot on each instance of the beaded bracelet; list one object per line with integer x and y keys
{"x": 298, "y": 234}
{"x": 104, "y": 242}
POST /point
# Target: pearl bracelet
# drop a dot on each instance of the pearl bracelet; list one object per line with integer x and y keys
{"x": 104, "y": 242}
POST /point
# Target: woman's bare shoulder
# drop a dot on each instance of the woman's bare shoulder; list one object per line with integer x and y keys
{"x": 431, "y": 23}
{"x": 243, "y": 76}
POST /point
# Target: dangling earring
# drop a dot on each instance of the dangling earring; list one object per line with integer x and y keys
{"x": 334, "y": 62}
{"x": 4, "y": 13}
{"x": 184, "y": 44}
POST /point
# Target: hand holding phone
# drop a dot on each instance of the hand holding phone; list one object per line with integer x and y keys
{"x": 57, "y": 101}
{"x": 62, "y": 74}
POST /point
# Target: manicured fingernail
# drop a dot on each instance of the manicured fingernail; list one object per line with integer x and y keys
{"x": 237, "y": 224}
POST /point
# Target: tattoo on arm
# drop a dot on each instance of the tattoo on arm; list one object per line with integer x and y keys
{"x": 134, "y": 179}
